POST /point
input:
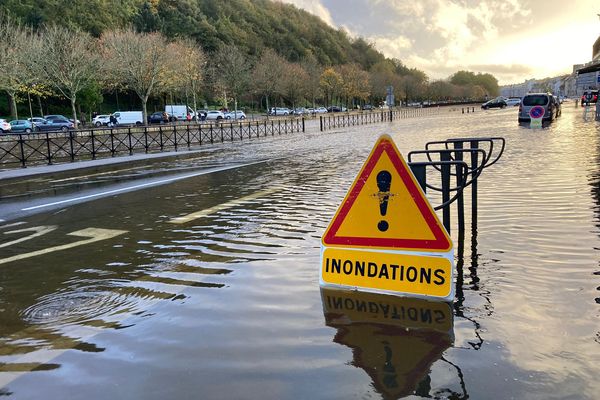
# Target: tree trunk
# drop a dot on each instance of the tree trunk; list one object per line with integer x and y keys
{"x": 74, "y": 112}
{"x": 40, "y": 106}
{"x": 13, "y": 106}
{"x": 144, "y": 112}
{"x": 268, "y": 109}
{"x": 195, "y": 106}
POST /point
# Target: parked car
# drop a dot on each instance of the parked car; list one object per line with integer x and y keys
{"x": 129, "y": 117}
{"x": 513, "y": 101}
{"x": 48, "y": 125}
{"x": 159, "y": 117}
{"x": 215, "y": 115}
{"x": 279, "y": 111}
{"x": 368, "y": 107}
{"x": 589, "y": 97}
{"x": 336, "y": 109}
{"x": 301, "y": 111}
{"x": 101, "y": 120}
{"x": 21, "y": 125}
{"x": 320, "y": 110}
{"x": 498, "y": 102}
{"x": 179, "y": 112}
{"x": 201, "y": 114}
{"x": 545, "y": 100}
{"x": 57, "y": 117}
{"x": 5, "y": 126}
{"x": 232, "y": 115}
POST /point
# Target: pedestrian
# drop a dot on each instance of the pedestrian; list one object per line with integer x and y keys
{"x": 113, "y": 120}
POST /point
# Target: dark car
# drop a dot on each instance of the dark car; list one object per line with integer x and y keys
{"x": 494, "y": 103}
{"x": 52, "y": 124}
{"x": 368, "y": 107}
{"x": 159, "y": 117}
{"x": 589, "y": 97}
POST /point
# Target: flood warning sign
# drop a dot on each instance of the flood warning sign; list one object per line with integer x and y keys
{"x": 385, "y": 235}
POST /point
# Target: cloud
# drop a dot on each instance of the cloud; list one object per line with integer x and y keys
{"x": 444, "y": 36}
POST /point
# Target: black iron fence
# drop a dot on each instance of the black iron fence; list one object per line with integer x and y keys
{"x": 88, "y": 144}
{"x": 332, "y": 121}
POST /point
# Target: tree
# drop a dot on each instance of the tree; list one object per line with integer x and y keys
{"x": 192, "y": 61}
{"x": 292, "y": 86}
{"x": 232, "y": 72}
{"x": 312, "y": 85}
{"x": 67, "y": 60}
{"x": 355, "y": 83}
{"x": 331, "y": 83}
{"x": 267, "y": 74}
{"x": 15, "y": 71}
{"x": 138, "y": 60}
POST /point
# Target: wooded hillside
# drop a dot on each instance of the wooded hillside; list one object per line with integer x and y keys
{"x": 249, "y": 25}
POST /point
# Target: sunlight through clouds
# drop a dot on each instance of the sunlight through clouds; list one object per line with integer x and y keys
{"x": 513, "y": 39}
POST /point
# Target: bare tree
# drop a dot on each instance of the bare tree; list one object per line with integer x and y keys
{"x": 138, "y": 60}
{"x": 190, "y": 64}
{"x": 267, "y": 74}
{"x": 67, "y": 60}
{"x": 232, "y": 71}
{"x": 15, "y": 73}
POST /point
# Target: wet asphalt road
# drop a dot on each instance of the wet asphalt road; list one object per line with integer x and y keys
{"x": 197, "y": 276}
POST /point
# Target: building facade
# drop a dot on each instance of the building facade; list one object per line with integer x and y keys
{"x": 584, "y": 77}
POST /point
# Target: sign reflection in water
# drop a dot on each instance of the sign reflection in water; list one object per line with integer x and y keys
{"x": 395, "y": 340}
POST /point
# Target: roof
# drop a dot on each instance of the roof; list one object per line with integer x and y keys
{"x": 591, "y": 68}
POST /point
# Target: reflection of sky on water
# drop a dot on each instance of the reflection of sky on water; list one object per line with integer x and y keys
{"x": 229, "y": 305}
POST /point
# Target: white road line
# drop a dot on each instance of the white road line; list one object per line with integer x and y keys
{"x": 203, "y": 213}
{"x": 94, "y": 235}
{"x": 210, "y": 171}
{"x": 37, "y": 231}
{"x": 97, "y": 174}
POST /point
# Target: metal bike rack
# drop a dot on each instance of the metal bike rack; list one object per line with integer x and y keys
{"x": 463, "y": 158}
{"x": 491, "y": 144}
{"x": 446, "y": 159}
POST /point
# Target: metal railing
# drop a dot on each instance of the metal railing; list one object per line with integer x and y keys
{"x": 89, "y": 144}
{"x": 343, "y": 120}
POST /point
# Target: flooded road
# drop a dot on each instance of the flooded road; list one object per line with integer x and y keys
{"x": 199, "y": 278}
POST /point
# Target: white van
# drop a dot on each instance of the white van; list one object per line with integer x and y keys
{"x": 179, "y": 111}
{"x": 129, "y": 117}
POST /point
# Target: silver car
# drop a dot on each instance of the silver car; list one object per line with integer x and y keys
{"x": 544, "y": 100}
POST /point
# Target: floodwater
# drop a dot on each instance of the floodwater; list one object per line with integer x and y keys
{"x": 108, "y": 297}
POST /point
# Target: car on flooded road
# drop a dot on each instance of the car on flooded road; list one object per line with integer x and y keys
{"x": 547, "y": 101}
{"x": 498, "y": 102}
{"x": 589, "y": 97}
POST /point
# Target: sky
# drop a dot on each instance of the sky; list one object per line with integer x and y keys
{"x": 514, "y": 40}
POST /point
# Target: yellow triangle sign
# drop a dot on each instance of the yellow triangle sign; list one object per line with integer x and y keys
{"x": 386, "y": 209}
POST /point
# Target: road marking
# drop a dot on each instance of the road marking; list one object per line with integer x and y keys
{"x": 38, "y": 231}
{"x": 97, "y": 174}
{"x": 42, "y": 356}
{"x": 208, "y": 211}
{"x": 94, "y": 235}
{"x": 155, "y": 183}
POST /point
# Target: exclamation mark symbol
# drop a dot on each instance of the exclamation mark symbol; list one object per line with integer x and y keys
{"x": 384, "y": 181}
